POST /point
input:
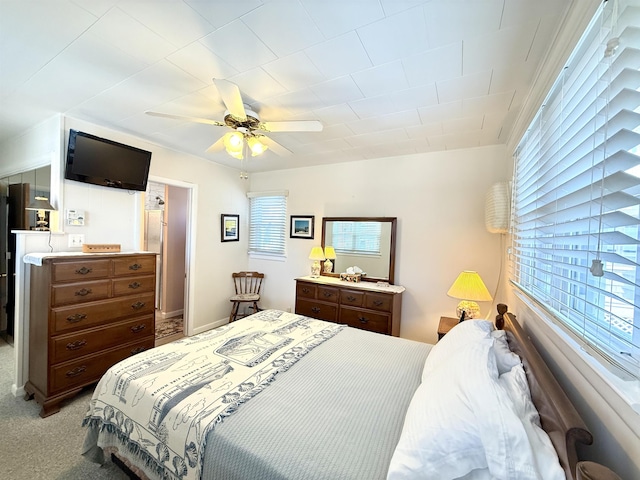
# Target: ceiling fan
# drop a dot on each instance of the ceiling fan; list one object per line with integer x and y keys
{"x": 247, "y": 129}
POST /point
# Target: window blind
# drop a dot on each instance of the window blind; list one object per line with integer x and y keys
{"x": 267, "y": 223}
{"x": 360, "y": 238}
{"x": 576, "y": 196}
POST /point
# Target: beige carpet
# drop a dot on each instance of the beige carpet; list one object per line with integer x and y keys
{"x": 34, "y": 448}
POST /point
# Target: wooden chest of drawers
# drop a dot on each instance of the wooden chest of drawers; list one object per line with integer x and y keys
{"x": 87, "y": 312}
{"x": 362, "y": 305}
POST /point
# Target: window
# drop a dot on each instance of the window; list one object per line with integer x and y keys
{"x": 359, "y": 238}
{"x": 267, "y": 223}
{"x": 577, "y": 192}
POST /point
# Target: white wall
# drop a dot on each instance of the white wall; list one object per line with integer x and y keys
{"x": 113, "y": 216}
{"x": 438, "y": 199}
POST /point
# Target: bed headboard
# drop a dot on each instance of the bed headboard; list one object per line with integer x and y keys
{"x": 558, "y": 416}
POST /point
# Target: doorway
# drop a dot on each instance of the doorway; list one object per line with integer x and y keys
{"x": 16, "y": 193}
{"x": 166, "y": 232}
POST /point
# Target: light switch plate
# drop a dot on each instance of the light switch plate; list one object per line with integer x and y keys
{"x": 76, "y": 240}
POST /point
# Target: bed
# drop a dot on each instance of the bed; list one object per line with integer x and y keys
{"x": 282, "y": 396}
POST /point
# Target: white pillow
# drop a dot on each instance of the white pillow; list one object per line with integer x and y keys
{"x": 542, "y": 453}
{"x": 462, "y": 419}
{"x": 440, "y": 437}
{"x": 505, "y": 358}
{"x": 469, "y": 331}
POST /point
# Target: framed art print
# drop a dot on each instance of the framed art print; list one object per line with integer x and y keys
{"x": 230, "y": 227}
{"x": 302, "y": 226}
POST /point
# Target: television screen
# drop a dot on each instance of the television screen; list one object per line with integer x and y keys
{"x": 99, "y": 161}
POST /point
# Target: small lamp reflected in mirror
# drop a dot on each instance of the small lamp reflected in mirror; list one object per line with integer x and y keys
{"x": 317, "y": 256}
{"x": 330, "y": 254}
{"x": 469, "y": 288}
{"x": 41, "y": 205}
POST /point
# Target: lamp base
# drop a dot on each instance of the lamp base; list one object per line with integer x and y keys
{"x": 328, "y": 266}
{"x": 315, "y": 269}
{"x": 471, "y": 309}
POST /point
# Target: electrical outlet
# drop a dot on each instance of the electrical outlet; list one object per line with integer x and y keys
{"x": 76, "y": 240}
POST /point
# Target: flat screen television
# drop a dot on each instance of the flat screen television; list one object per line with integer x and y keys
{"x": 99, "y": 161}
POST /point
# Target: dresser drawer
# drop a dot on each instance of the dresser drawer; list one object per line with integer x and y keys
{"x": 90, "y": 368}
{"x": 328, "y": 294}
{"x": 305, "y": 290}
{"x": 131, "y": 285}
{"x": 321, "y": 311}
{"x": 365, "y": 320}
{"x": 352, "y": 298}
{"x": 80, "y": 271}
{"x": 96, "y": 313}
{"x": 378, "y": 301}
{"x": 70, "y": 293}
{"x": 134, "y": 265}
{"x": 70, "y": 346}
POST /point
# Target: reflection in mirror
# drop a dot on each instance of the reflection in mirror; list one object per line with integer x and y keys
{"x": 367, "y": 243}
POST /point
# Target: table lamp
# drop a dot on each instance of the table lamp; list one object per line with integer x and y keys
{"x": 469, "y": 288}
{"x": 316, "y": 255}
{"x": 330, "y": 254}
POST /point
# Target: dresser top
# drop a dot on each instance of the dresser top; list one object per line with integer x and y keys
{"x": 36, "y": 258}
{"x": 370, "y": 286}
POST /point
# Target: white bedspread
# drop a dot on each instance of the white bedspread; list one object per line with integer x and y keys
{"x": 160, "y": 404}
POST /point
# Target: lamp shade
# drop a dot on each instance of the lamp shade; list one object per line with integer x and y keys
{"x": 469, "y": 288}
{"x": 256, "y": 146}
{"x": 40, "y": 203}
{"x": 330, "y": 253}
{"x": 316, "y": 254}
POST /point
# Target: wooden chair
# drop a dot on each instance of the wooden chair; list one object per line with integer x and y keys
{"x": 247, "y": 285}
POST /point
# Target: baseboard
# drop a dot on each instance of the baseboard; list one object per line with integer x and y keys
{"x": 210, "y": 326}
{"x": 175, "y": 313}
{"x": 17, "y": 391}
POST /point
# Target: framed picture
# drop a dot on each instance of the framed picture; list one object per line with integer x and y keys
{"x": 302, "y": 226}
{"x": 230, "y": 227}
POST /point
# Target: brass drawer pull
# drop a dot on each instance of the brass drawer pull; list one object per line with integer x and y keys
{"x": 351, "y": 298}
{"x": 137, "y": 350}
{"x": 378, "y": 303}
{"x": 84, "y": 292}
{"x": 363, "y": 320}
{"x": 76, "y": 371}
{"x": 76, "y": 317}
{"x": 76, "y": 345}
{"x": 83, "y": 271}
{"x": 306, "y": 290}
{"x": 135, "y": 285}
{"x": 138, "y": 305}
{"x": 138, "y": 328}
{"x": 315, "y": 309}
{"x": 327, "y": 294}
{"x": 135, "y": 266}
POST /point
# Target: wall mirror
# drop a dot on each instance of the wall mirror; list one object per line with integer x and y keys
{"x": 368, "y": 243}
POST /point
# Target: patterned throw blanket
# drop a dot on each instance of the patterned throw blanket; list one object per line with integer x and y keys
{"x": 160, "y": 404}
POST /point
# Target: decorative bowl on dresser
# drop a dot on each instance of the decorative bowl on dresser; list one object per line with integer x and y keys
{"x": 87, "y": 312}
{"x": 363, "y": 305}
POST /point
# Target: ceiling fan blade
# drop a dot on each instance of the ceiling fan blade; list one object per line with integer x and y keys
{"x": 275, "y": 147}
{"x": 216, "y": 147}
{"x": 231, "y": 97}
{"x": 292, "y": 126}
{"x": 187, "y": 119}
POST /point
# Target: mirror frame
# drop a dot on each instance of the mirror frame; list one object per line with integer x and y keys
{"x": 392, "y": 250}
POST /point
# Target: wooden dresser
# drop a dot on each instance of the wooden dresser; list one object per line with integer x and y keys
{"x": 87, "y": 312}
{"x": 362, "y": 305}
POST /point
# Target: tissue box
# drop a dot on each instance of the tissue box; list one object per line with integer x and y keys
{"x": 350, "y": 277}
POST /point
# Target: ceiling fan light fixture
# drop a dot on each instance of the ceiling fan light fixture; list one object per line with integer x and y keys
{"x": 256, "y": 146}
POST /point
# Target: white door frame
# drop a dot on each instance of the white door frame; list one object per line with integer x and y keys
{"x": 190, "y": 248}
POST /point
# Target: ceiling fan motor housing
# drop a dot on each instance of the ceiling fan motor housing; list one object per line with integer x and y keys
{"x": 251, "y": 123}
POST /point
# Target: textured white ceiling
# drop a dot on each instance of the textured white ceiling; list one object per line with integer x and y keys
{"x": 385, "y": 77}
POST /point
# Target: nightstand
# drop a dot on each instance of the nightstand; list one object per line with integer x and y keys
{"x": 446, "y": 324}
